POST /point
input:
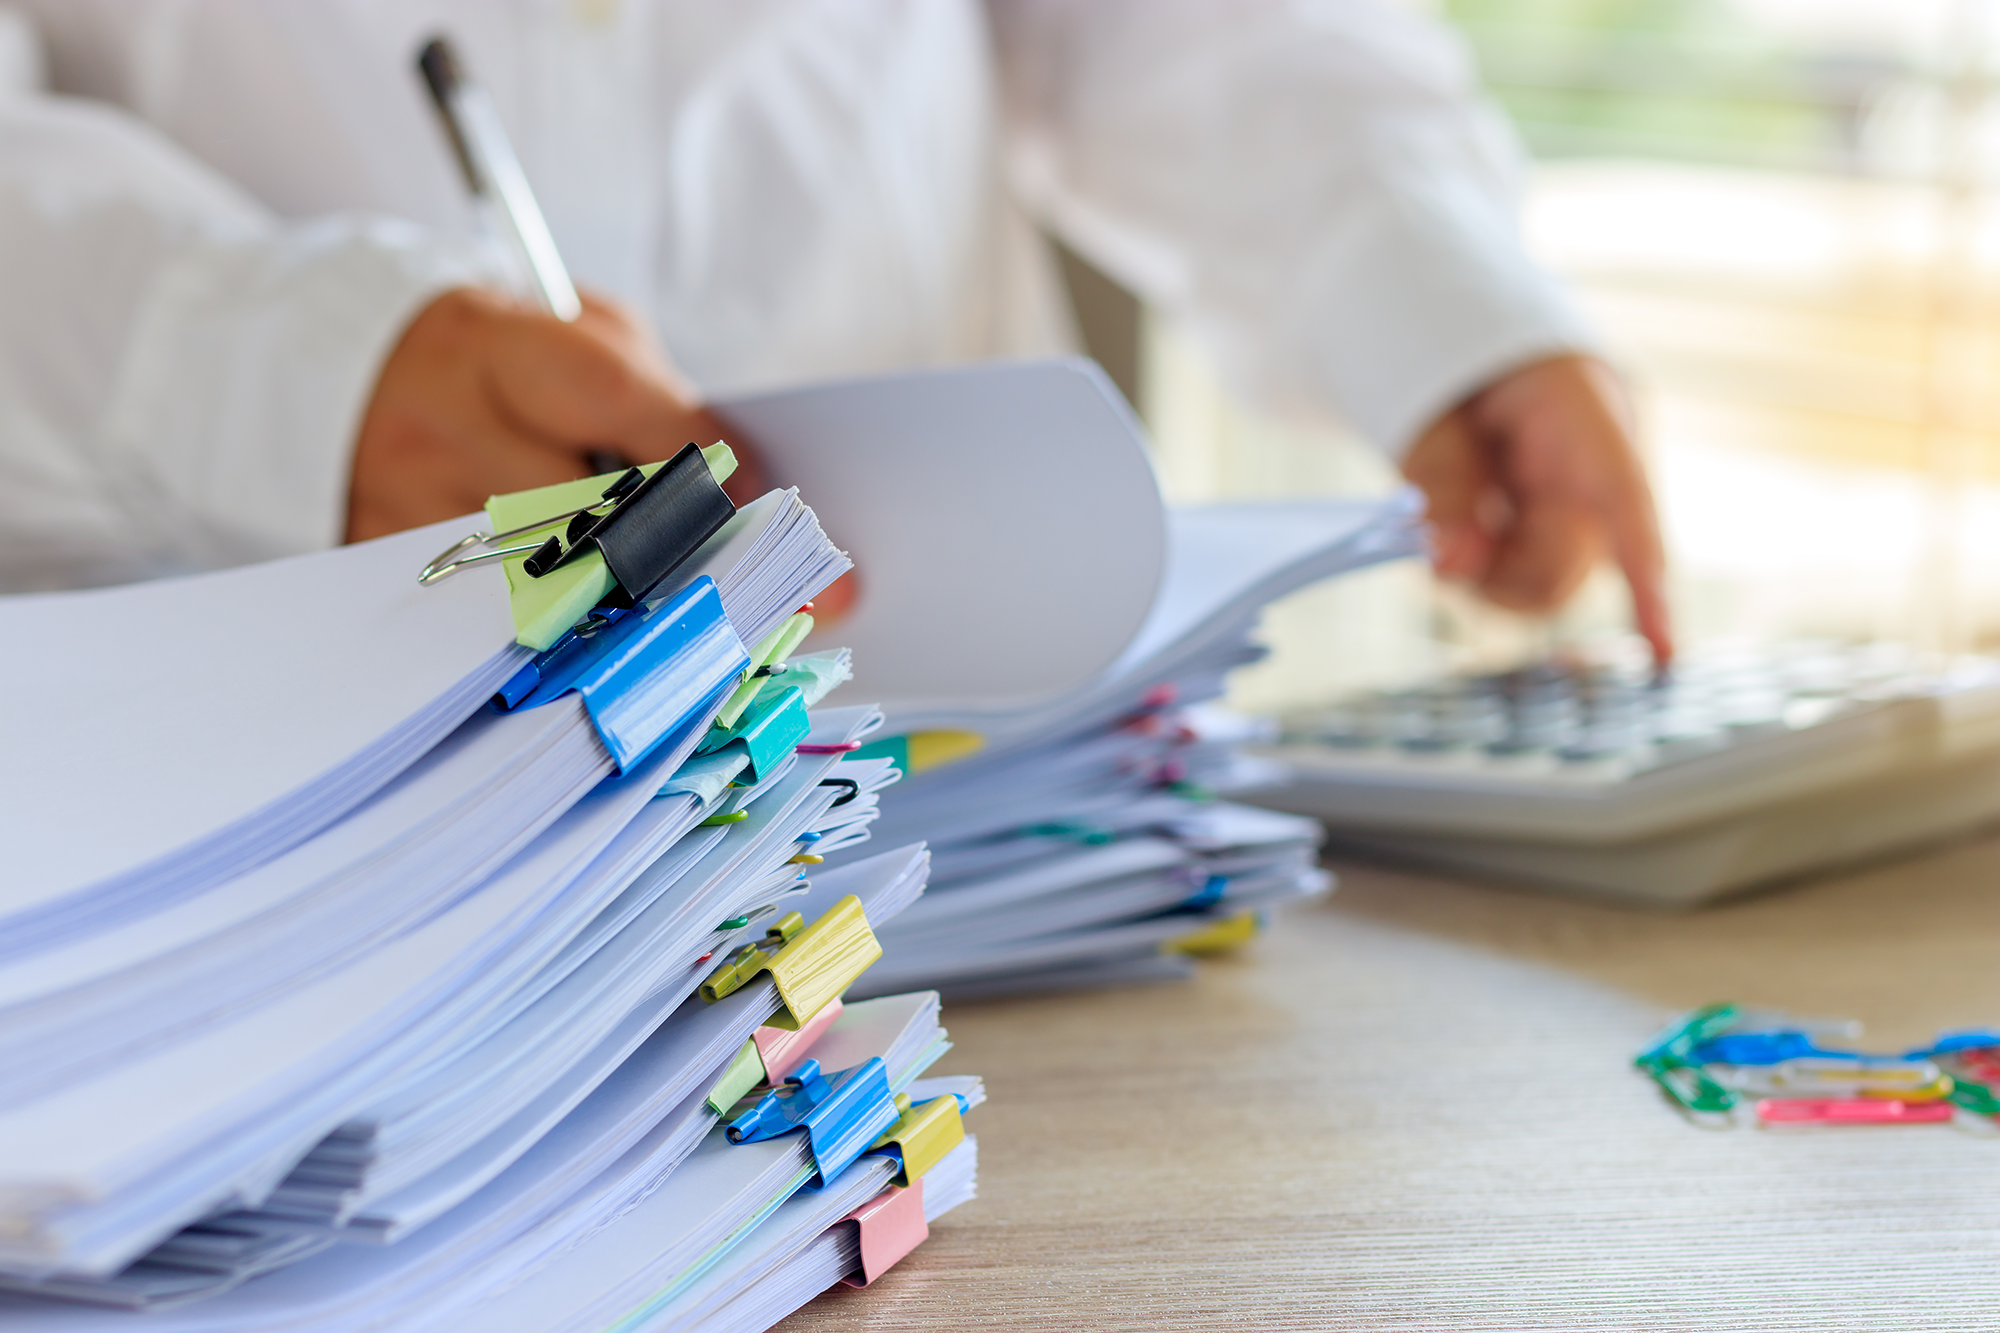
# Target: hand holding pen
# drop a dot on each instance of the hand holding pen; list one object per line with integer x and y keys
{"x": 482, "y": 396}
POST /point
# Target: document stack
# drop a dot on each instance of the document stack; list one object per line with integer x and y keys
{"x": 1064, "y": 769}
{"x": 404, "y": 955}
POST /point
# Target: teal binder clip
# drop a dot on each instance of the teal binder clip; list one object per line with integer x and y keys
{"x": 769, "y": 730}
{"x": 842, "y": 1115}
{"x": 643, "y": 673}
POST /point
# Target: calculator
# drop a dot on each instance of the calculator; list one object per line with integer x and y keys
{"x": 1737, "y": 767}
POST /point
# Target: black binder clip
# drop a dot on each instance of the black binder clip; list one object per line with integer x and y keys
{"x": 644, "y": 526}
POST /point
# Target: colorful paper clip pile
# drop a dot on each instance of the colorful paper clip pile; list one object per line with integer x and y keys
{"x": 1723, "y": 1064}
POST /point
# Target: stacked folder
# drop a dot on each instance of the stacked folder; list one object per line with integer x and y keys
{"x": 407, "y": 955}
{"x": 1085, "y": 840}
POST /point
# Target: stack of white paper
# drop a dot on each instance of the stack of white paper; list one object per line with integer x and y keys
{"x": 1085, "y": 843}
{"x": 332, "y": 996}
{"x": 1082, "y": 838}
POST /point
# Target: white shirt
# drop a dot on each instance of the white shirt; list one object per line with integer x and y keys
{"x": 204, "y": 264}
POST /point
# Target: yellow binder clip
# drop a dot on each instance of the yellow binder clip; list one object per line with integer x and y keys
{"x": 810, "y": 966}
{"x": 1224, "y": 935}
{"x": 922, "y": 1135}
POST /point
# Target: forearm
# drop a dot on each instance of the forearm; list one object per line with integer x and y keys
{"x": 185, "y": 374}
{"x": 1318, "y": 193}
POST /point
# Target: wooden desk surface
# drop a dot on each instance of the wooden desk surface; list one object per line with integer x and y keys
{"x": 1409, "y": 1107}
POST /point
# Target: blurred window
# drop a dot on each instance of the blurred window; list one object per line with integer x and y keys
{"x": 1779, "y": 213}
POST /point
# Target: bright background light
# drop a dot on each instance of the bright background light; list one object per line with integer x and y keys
{"x": 1781, "y": 215}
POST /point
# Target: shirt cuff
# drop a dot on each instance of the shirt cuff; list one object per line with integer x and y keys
{"x": 251, "y": 365}
{"x": 1442, "y": 302}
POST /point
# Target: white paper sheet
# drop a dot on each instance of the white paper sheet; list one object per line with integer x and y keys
{"x": 1004, "y": 520}
{"x": 190, "y": 706}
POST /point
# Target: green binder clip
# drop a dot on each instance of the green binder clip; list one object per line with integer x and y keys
{"x": 768, "y": 732}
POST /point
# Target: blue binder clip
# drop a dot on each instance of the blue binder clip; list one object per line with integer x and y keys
{"x": 643, "y": 673}
{"x": 841, "y": 1115}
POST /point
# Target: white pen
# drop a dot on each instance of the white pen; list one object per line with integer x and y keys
{"x": 494, "y": 174}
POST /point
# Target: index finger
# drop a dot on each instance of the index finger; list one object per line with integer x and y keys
{"x": 1632, "y": 529}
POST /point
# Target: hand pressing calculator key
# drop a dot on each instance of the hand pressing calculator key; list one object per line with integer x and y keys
{"x": 1735, "y": 768}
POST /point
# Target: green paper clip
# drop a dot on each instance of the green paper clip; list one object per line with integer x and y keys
{"x": 1974, "y": 1097}
{"x": 1665, "y": 1060}
{"x": 1691, "y": 1089}
{"x": 1670, "y": 1045}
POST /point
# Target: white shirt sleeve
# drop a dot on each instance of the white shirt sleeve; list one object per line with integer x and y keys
{"x": 181, "y": 374}
{"x": 1312, "y": 187}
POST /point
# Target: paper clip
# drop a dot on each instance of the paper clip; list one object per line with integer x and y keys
{"x": 1850, "y": 1111}
{"x": 810, "y": 966}
{"x": 1705, "y": 1102}
{"x": 1673, "y": 1043}
{"x": 840, "y": 1115}
{"x": 846, "y": 747}
{"x": 1901, "y": 1080}
{"x": 1760, "y": 1048}
{"x": 1957, "y": 1043}
{"x": 853, "y": 790}
{"x": 1974, "y": 1097}
{"x": 892, "y": 1224}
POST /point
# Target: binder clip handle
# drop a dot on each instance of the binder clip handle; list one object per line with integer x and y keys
{"x": 654, "y": 523}
{"x": 449, "y": 561}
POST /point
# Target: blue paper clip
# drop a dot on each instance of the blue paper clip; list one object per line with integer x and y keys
{"x": 841, "y": 1115}
{"x": 1761, "y": 1048}
{"x": 1969, "y": 1039}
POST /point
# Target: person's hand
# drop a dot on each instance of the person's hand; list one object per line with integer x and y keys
{"x": 482, "y": 396}
{"x": 1533, "y": 478}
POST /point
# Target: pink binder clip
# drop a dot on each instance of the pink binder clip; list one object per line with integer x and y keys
{"x": 783, "y": 1050}
{"x": 1849, "y": 1111}
{"x": 892, "y": 1224}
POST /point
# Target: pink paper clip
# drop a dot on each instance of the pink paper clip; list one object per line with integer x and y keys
{"x": 892, "y": 1224}
{"x": 842, "y": 748}
{"x": 1849, "y": 1111}
{"x": 782, "y": 1050}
